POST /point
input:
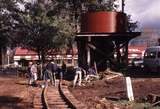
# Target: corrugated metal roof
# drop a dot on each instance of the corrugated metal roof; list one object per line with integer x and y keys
{"x": 24, "y": 52}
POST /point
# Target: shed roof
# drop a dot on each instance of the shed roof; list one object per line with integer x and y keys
{"x": 23, "y": 52}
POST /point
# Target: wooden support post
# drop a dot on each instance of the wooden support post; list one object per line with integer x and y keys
{"x": 82, "y": 51}
{"x": 95, "y": 66}
{"x": 118, "y": 53}
{"x": 126, "y": 54}
{"x": 0, "y": 56}
{"x": 88, "y": 52}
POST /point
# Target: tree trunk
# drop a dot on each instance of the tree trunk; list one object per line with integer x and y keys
{"x": 42, "y": 61}
{"x": 72, "y": 50}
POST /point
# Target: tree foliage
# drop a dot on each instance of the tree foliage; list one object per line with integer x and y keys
{"x": 35, "y": 30}
{"x": 132, "y": 26}
{"x": 76, "y": 7}
{"x": 7, "y": 10}
{"x": 42, "y": 25}
{"x": 39, "y": 31}
{"x": 102, "y": 5}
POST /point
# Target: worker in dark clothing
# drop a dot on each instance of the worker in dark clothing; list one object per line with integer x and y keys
{"x": 91, "y": 72}
{"x": 51, "y": 68}
{"x": 54, "y": 71}
{"x": 45, "y": 74}
{"x": 63, "y": 70}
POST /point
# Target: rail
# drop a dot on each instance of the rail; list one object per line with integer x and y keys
{"x": 59, "y": 97}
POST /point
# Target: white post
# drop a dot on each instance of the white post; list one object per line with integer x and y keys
{"x": 88, "y": 52}
{"x": 8, "y": 59}
{"x": 8, "y": 55}
{"x": 129, "y": 89}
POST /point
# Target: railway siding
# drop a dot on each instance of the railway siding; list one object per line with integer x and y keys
{"x": 72, "y": 101}
{"x": 58, "y": 97}
{"x": 37, "y": 101}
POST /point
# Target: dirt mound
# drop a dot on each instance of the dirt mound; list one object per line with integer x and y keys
{"x": 102, "y": 94}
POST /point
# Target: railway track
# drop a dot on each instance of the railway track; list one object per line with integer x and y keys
{"x": 56, "y": 97}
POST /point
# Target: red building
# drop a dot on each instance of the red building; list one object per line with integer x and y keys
{"x": 23, "y": 56}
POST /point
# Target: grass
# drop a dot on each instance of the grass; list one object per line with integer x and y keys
{"x": 135, "y": 105}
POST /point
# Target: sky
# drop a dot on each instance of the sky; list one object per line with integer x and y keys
{"x": 146, "y": 12}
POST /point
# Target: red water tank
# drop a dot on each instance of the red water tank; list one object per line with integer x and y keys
{"x": 103, "y": 21}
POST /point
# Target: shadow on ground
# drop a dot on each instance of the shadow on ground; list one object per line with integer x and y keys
{"x": 6, "y": 102}
{"x": 25, "y": 84}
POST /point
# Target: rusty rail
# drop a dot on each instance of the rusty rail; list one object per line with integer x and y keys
{"x": 59, "y": 97}
{"x": 70, "y": 99}
{"x": 45, "y": 105}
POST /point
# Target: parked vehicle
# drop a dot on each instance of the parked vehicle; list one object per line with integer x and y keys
{"x": 135, "y": 55}
{"x": 137, "y": 62}
{"x": 152, "y": 59}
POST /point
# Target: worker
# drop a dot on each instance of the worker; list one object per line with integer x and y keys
{"x": 78, "y": 75}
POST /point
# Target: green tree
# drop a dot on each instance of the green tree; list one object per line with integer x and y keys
{"x": 102, "y": 5}
{"x": 132, "y": 26}
{"x": 7, "y": 9}
{"x": 35, "y": 30}
{"x": 70, "y": 11}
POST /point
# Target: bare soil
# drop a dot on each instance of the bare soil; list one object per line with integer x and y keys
{"x": 15, "y": 93}
{"x": 101, "y": 94}
{"x": 109, "y": 94}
